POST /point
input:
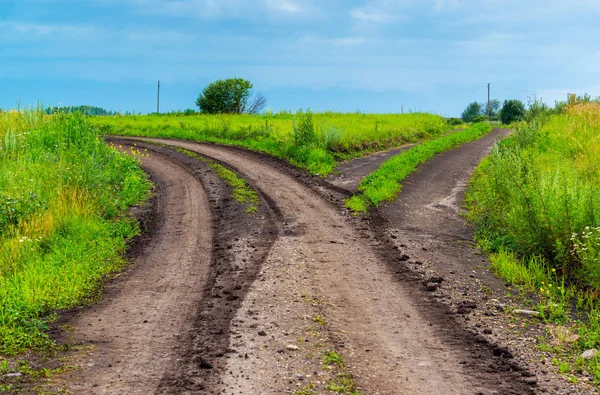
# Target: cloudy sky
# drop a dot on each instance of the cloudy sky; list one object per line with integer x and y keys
{"x": 341, "y": 55}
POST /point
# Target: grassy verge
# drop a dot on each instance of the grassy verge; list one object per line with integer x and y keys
{"x": 241, "y": 191}
{"x": 311, "y": 141}
{"x": 535, "y": 206}
{"x": 384, "y": 184}
{"x": 63, "y": 199}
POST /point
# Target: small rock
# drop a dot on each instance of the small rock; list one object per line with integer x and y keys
{"x": 262, "y": 333}
{"x": 589, "y": 354}
{"x": 10, "y": 375}
{"x": 436, "y": 280}
{"x": 529, "y": 313}
{"x": 572, "y": 339}
{"x": 292, "y": 347}
{"x": 487, "y": 331}
{"x": 431, "y": 287}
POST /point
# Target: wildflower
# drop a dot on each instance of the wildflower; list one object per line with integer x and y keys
{"x": 553, "y": 270}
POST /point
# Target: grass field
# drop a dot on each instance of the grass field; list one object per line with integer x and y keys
{"x": 63, "y": 196}
{"x": 536, "y": 208}
{"x": 312, "y": 141}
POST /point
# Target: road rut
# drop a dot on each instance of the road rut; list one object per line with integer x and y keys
{"x": 142, "y": 317}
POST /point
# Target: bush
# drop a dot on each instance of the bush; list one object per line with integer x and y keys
{"x": 304, "y": 128}
{"x": 474, "y": 109}
{"x": 480, "y": 118}
{"x": 454, "y": 122}
{"x": 512, "y": 111}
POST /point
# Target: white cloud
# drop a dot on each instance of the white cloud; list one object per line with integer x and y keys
{"x": 374, "y": 15}
{"x": 48, "y": 29}
{"x": 284, "y": 6}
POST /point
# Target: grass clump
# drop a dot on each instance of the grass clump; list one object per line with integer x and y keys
{"x": 384, "y": 184}
{"x": 63, "y": 196}
{"x": 313, "y": 141}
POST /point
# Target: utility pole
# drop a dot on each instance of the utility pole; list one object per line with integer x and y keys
{"x": 489, "y": 103}
{"x": 403, "y": 109}
{"x": 158, "y": 99}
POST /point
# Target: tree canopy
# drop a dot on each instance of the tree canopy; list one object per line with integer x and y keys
{"x": 230, "y": 96}
{"x": 512, "y": 111}
{"x": 474, "y": 109}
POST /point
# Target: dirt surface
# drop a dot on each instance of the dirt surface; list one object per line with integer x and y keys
{"x": 188, "y": 275}
{"x": 394, "y": 341}
{"x": 219, "y": 301}
{"x": 349, "y": 174}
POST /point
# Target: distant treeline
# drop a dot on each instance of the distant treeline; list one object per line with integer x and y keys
{"x": 85, "y": 110}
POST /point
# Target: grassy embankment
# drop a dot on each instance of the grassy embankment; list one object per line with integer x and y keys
{"x": 384, "y": 184}
{"x": 536, "y": 207}
{"x": 311, "y": 141}
{"x": 63, "y": 199}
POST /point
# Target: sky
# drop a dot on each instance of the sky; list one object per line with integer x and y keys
{"x": 379, "y": 56}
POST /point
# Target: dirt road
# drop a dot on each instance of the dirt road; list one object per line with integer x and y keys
{"x": 221, "y": 301}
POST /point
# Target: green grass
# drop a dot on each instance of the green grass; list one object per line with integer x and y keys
{"x": 63, "y": 196}
{"x": 534, "y": 205}
{"x": 241, "y": 191}
{"x": 384, "y": 184}
{"x": 311, "y": 141}
{"x": 537, "y": 195}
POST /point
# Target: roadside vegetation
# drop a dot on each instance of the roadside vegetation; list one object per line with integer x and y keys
{"x": 63, "y": 199}
{"x": 536, "y": 208}
{"x": 311, "y": 141}
{"x": 384, "y": 184}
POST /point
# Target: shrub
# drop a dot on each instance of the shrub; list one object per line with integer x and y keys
{"x": 480, "y": 118}
{"x": 473, "y": 109}
{"x": 512, "y": 111}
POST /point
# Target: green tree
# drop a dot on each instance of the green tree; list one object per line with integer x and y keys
{"x": 512, "y": 111}
{"x": 231, "y": 96}
{"x": 472, "y": 110}
{"x": 495, "y": 105}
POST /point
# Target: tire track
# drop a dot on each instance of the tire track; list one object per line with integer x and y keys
{"x": 145, "y": 313}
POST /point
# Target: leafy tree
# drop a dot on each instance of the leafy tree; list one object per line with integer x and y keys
{"x": 230, "y": 96}
{"x": 472, "y": 110}
{"x": 512, "y": 111}
{"x": 495, "y": 105}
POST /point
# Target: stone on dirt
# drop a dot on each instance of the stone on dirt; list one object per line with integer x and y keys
{"x": 589, "y": 354}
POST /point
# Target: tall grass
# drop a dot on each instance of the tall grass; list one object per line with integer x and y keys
{"x": 312, "y": 141}
{"x": 63, "y": 193}
{"x": 537, "y": 194}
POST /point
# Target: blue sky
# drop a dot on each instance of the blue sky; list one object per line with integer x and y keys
{"x": 367, "y": 55}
